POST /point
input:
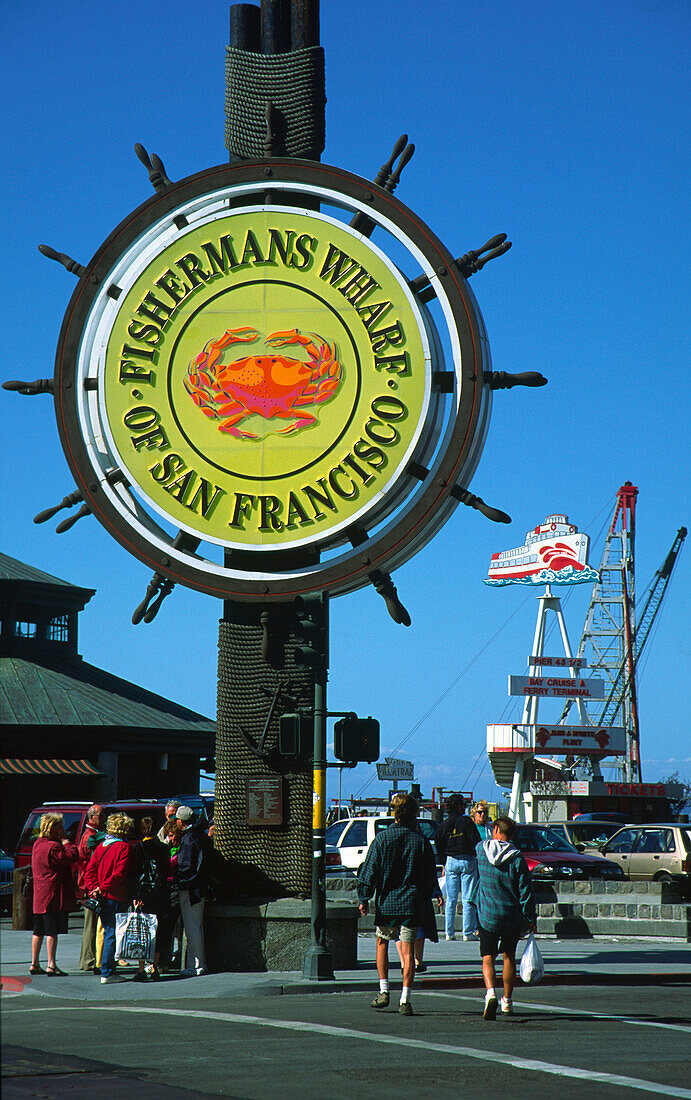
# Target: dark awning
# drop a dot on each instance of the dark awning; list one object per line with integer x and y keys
{"x": 13, "y": 766}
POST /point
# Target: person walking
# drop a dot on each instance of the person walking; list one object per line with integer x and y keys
{"x": 87, "y": 845}
{"x": 455, "y": 843}
{"x": 401, "y": 869}
{"x": 505, "y": 906}
{"x": 418, "y": 952}
{"x": 109, "y": 877}
{"x": 193, "y": 880}
{"x": 53, "y": 858}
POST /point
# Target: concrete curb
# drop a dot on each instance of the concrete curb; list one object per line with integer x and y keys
{"x": 10, "y": 984}
{"x": 573, "y": 978}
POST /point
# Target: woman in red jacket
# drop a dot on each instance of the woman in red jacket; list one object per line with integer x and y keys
{"x": 53, "y": 858}
{"x": 109, "y": 877}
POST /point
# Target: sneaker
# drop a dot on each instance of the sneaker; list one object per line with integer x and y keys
{"x": 420, "y": 968}
{"x": 471, "y": 936}
{"x": 112, "y": 979}
{"x": 405, "y": 1008}
{"x": 381, "y": 1001}
{"x": 140, "y": 976}
{"x": 451, "y": 937}
{"x": 506, "y": 1006}
{"x": 490, "y": 1012}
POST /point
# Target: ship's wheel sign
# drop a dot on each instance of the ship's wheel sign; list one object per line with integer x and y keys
{"x": 272, "y": 379}
{"x": 265, "y": 378}
{"x": 554, "y": 552}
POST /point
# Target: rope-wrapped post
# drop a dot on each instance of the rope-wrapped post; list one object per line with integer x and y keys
{"x": 275, "y": 105}
{"x": 272, "y": 860}
{"x": 273, "y": 59}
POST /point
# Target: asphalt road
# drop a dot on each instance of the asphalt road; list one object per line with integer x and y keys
{"x": 574, "y": 1042}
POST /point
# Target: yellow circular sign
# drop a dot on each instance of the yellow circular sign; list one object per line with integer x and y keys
{"x": 266, "y": 378}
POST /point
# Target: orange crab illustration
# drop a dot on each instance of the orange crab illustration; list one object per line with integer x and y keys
{"x": 268, "y": 385}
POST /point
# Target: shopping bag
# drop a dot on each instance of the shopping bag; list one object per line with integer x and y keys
{"x": 135, "y": 935}
{"x": 532, "y": 968}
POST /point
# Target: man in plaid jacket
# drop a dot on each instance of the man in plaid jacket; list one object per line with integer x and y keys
{"x": 505, "y": 905}
{"x": 401, "y": 868}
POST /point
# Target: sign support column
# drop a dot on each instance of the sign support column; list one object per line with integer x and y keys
{"x": 547, "y": 602}
{"x": 318, "y": 962}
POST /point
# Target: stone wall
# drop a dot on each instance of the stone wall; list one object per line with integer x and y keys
{"x": 651, "y": 909}
{"x": 585, "y": 909}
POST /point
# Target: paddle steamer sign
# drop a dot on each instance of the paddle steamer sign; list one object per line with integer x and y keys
{"x": 242, "y": 370}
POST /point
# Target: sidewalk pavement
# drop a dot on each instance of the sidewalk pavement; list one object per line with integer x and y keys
{"x": 450, "y": 965}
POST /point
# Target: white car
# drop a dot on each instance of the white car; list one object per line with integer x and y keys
{"x": 353, "y": 836}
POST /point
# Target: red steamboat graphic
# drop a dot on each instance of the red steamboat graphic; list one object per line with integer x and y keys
{"x": 555, "y": 552}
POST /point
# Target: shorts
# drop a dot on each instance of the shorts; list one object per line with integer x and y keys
{"x": 50, "y": 924}
{"x": 420, "y": 935}
{"x": 493, "y": 942}
{"x": 404, "y": 929}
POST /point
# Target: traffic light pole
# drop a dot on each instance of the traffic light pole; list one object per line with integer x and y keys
{"x": 318, "y": 962}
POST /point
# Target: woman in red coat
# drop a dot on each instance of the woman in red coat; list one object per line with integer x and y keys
{"x": 109, "y": 876}
{"x": 53, "y": 858}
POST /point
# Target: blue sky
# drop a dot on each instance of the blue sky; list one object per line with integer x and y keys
{"x": 565, "y": 126}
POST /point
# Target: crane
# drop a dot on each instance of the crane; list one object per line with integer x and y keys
{"x": 656, "y": 593}
{"x": 610, "y": 631}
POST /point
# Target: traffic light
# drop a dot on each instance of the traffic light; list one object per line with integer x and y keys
{"x": 356, "y": 739}
{"x": 310, "y": 630}
{"x": 296, "y": 735}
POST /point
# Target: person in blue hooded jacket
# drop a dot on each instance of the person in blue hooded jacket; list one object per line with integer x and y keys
{"x": 505, "y": 907}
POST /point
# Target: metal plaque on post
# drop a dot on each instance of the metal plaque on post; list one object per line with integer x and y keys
{"x": 264, "y": 800}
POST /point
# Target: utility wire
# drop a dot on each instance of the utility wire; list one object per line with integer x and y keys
{"x": 607, "y": 506}
{"x": 449, "y": 689}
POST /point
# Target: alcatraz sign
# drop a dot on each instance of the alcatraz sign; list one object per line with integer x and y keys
{"x": 241, "y": 367}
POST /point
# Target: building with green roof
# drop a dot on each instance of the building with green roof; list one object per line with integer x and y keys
{"x": 70, "y": 729}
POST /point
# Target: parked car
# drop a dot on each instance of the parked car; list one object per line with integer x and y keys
{"x": 334, "y": 867}
{"x": 203, "y": 804}
{"x": 6, "y": 873}
{"x": 652, "y": 853}
{"x": 74, "y": 817}
{"x": 551, "y": 856}
{"x": 602, "y": 815}
{"x": 586, "y": 836}
{"x": 353, "y": 837}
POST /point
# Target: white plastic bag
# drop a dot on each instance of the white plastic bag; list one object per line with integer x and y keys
{"x": 532, "y": 967}
{"x": 135, "y": 935}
